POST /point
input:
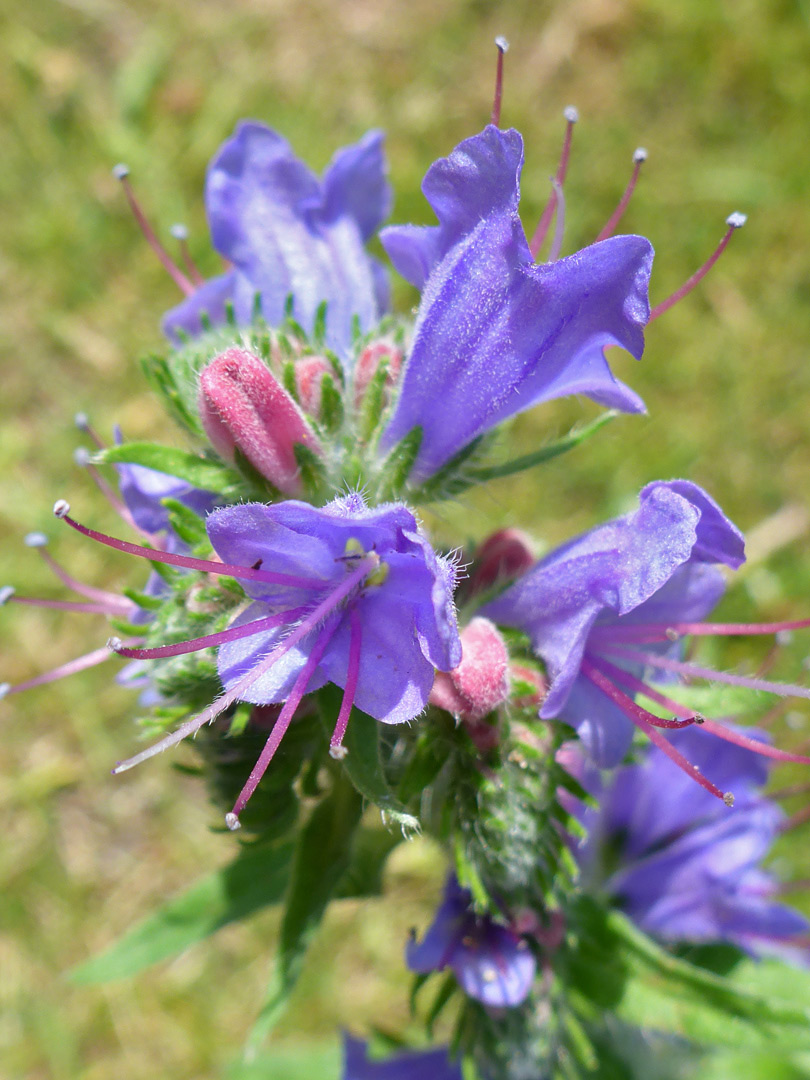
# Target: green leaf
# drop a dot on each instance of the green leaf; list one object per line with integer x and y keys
{"x": 331, "y": 404}
{"x": 252, "y": 881}
{"x": 545, "y": 453}
{"x": 321, "y": 860}
{"x": 199, "y": 471}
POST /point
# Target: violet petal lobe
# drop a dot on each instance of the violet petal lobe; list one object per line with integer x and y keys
{"x": 186, "y": 319}
{"x": 287, "y": 234}
{"x": 408, "y": 1065}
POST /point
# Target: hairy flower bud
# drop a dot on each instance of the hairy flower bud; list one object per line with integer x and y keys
{"x": 502, "y": 557}
{"x": 479, "y": 684}
{"x": 309, "y": 373}
{"x": 242, "y": 407}
{"x": 369, "y": 362}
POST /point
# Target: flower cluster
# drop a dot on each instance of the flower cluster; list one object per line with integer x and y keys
{"x": 288, "y": 562}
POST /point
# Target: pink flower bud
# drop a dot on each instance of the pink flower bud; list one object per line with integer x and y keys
{"x": 368, "y": 362}
{"x": 309, "y": 372}
{"x": 503, "y": 556}
{"x": 479, "y": 684}
{"x": 242, "y": 407}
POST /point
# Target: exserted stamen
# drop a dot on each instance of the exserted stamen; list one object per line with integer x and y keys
{"x": 503, "y": 47}
{"x": 243, "y": 573}
{"x": 681, "y": 667}
{"x": 123, "y": 607}
{"x": 180, "y": 234}
{"x": 733, "y": 221}
{"x": 571, "y": 117}
{"x": 603, "y": 683}
{"x": 82, "y": 457}
{"x": 639, "y": 157}
{"x": 208, "y": 641}
{"x": 118, "y": 605}
{"x": 81, "y": 663}
{"x": 336, "y": 748}
{"x": 325, "y": 608}
{"x": 649, "y": 633}
{"x": 282, "y": 723}
{"x": 121, "y": 173}
{"x": 559, "y": 227}
{"x": 764, "y": 749}
{"x": 82, "y": 422}
{"x": 687, "y": 716}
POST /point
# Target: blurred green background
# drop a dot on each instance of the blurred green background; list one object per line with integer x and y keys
{"x": 719, "y": 93}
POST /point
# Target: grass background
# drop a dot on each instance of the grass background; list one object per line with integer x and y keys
{"x": 719, "y": 93}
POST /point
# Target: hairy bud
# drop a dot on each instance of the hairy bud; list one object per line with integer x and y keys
{"x": 243, "y": 408}
{"x": 479, "y": 684}
{"x": 502, "y": 557}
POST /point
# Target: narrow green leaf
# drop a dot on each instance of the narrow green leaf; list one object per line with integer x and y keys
{"x": 198, "y": 471}
{"x": 545, "y": 453}
{"x": 321, "y": 859}
{"x": 255, "y": 879}
{"x": 397, "y": 466}
{"x": 331, "y": 404}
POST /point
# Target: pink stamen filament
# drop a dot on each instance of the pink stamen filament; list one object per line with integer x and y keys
{"x": 83, "y": 424}
{"x": 559, "y": 227}
{"x": 562, "y": 168}
{"x": 104, "y": 597}
{"x": 628, "y": 680}
{"x": 81, "y": 663}
{"x": 174, "y": 271}
{"x": 121, "y": 606}
{"x": 645, "y": 633}
{"x": 639, "y": 158}
{"x": 180, "y": 234}
{"x": 325, "y": 608}
{"x": 638, "y": 656}
{"x": 352, "y": 675}
{"x": 116, "y": 503}
{"x": 613, "y": 673}
{"x": 208, "y": 641}
{"x": 244, "y": 573}
{"x": 734, "y": 222}
{"x": 281, "y": 725}
{"x": 502, "y": 45}
{"x": 606, "y": 686}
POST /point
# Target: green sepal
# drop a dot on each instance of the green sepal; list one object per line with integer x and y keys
{"x": 396, "y": 468}
{"x": 331, "y": 405}
{"x": 444, "y": 995}
{"x": 198, "y": 471}
{"x": 453, "y": 477}
{"x": 289, "y": 381}
{"x": 373, "y": 403}
{"x": 143, "y": 600}
{"x": 312, "y": 469}
{"x": 186, "y": 523}
{"x": 163, "y": 381}
{"x": 319, "y": 324}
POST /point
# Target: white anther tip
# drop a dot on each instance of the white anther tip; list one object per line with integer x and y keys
{"x": 728, "y": 799}
{"x": 120, "y": 171}
{"x": 122, "y": 766}
{"x": 502, "y": 43}
{"x": 81, "y": 456}
{"x": 571, "y": 113}
{"x": 61, "y": 508}
{"x": 736, "y": 220}
{"x": 6, "y": 594}
{"x": 338, "y": 753}
{"x": 179, "y": 232}
{"x": 114, "y": 644}
{"x": 82, "y": 421}
{"x": 35, "y": 540}
{"x": 639, "y": 154}
{"x": 4, "y": 689}
{"x": 233, "y": 822}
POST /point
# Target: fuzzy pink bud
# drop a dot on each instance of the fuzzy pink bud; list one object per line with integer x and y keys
{"x": 309, "y": 373}
{"x": 479, "y": 684}
{"x": 503, "y": 556}
{"x": 243, "y": 407}
{"x": 369, "y": 361}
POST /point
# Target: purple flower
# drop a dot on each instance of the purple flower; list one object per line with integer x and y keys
{"x": 143, "y": 491}
{"x": 410, "y": 1065}
{"x": 286, "y": 233}
{"x": 678, "y": 863}
{"x": 617, "y": 601}
{"x": 497, "y": 334}
{"x": 492, "y": 963}
{"x": 345, "y": 594}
